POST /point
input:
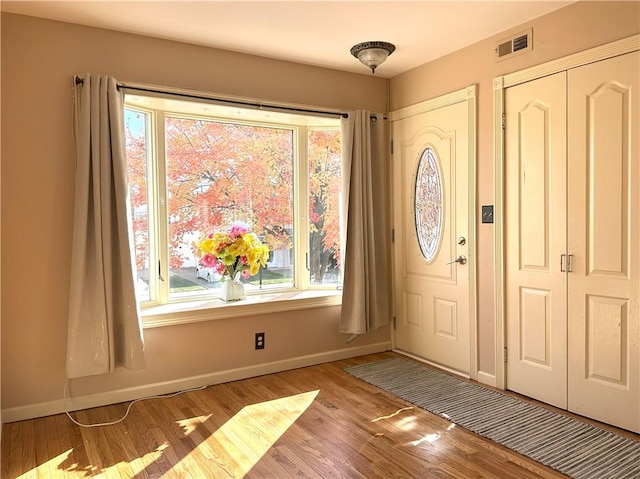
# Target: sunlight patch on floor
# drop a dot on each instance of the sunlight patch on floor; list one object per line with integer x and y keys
{"x": 433, "y": 437}
{"x": 190, "y": 424}
{"x": 47, "y": 469}
{"x": 407, "y": 424}
{"x": 389, "y": 416}
{"x": 243, "y": 440}
{"x": 430, "y": 438}
{"x": 56, "y": 466}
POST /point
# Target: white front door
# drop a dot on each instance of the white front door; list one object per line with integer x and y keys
{"x": 604, "y": 240}
{"x": 431, "y": 224}
{"x": 536, "y": 240}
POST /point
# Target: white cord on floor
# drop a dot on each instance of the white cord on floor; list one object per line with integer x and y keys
{"x": 162, "y": 396}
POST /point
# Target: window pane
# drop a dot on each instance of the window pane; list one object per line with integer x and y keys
{"x": 136, "y": 130}
{"x": 428, "y": 205}
{"x": 324, "y": 196}
{"x": 218, "y": 173}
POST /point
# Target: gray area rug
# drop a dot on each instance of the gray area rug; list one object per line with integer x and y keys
{"x": 570, "y": 446}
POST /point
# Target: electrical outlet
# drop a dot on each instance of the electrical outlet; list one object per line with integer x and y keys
{"x": 259, "y": 340}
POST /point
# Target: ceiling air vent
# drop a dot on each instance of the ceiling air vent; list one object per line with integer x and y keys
{"x": 514, "y": 45}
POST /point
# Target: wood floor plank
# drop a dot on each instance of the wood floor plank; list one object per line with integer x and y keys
{"x": 123, "y": 451}
{"x": 42, "y": 454}
{"x": 93, "y": 443}
{"x": 4, "y": 451}
{"x": 210, "y": 462}
{"x": 65, "y": 450}
{"x": 12, "y": 450}
{"x": 78, "y": 461}
{"x": 171, "y": 469}
{"x": 28, "y": 457}
{"x": 138, "y": 425}
{"x": 313, "y": 422}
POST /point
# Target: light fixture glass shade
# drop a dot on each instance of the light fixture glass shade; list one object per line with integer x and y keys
{"x": 372, "y": 54}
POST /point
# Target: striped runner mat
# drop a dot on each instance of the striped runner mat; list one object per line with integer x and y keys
{"x": 568, "y": 445}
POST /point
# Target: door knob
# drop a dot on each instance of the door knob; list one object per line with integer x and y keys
{"x": 460, "y": 259}
{"x": 462, "y": 240}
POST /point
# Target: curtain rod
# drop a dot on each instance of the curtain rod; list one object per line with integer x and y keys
{"x": 79, "y": 80}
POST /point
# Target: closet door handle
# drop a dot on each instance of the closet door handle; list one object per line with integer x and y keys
{"x": 566, "y": 265}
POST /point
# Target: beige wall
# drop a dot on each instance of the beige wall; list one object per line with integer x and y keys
{"x": 39, "y": 59}
{"x": 572, "y": 29}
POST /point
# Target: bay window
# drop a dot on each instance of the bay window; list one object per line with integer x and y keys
{"x": 195, "y": 168}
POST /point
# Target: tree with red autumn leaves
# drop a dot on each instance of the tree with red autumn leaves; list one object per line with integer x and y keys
{"x": 220, "y": 172}
{"x": 324, "y": 195}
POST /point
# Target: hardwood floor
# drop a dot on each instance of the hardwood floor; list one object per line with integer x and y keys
{"x": 316, "y": 422}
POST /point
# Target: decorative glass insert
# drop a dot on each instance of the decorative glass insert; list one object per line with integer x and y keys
{"x": 428, "y": 204}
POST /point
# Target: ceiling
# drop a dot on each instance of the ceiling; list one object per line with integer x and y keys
{"x": 313, "y": 32}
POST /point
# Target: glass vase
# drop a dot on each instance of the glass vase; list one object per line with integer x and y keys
{"x": 232, "y": 290}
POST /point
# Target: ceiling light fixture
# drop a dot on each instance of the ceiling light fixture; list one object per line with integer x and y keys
{"x": 372, "y": 54}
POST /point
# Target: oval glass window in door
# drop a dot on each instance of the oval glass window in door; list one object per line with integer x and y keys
{"x": 428, "y": 204}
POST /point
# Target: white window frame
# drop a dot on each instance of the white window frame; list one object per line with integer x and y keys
{"x": 160, "y": 310}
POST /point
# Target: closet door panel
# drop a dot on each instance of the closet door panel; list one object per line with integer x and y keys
{"x": 604, "y": 241}
{"x": 535, "y": 230}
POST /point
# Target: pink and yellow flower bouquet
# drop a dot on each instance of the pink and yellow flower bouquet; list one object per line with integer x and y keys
{"x": 235, "y": 252}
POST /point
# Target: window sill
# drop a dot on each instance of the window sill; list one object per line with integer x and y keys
{"x": 211, "y": 309}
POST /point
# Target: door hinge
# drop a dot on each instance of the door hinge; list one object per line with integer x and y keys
{"x": 393, "y": 236}
{"x": 391, "y": 146}
{"x": 504, "y": 119}
{"x": 395, "y": 324}
{"x": 504, "y": 355}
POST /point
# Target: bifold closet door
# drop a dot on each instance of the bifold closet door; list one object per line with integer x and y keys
{"x": 535, "y": 234}
{"x": 604, "y": 241}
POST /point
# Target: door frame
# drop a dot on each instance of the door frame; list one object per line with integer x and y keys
{"x": 500, "y": 84}
{"x": 469, "y": 96}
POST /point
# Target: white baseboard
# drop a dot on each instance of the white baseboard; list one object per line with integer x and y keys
{"x": 483, "y": 378}
{"x": 488, "y": 379}
{"x": 431, "y": 363}
{"x": 112, "y": 397}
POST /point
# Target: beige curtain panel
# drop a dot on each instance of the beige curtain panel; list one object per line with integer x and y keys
{"x": 104, "y": 328}
{"x": 366, "y": 296}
